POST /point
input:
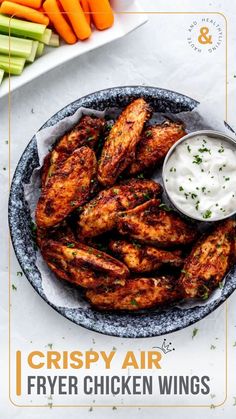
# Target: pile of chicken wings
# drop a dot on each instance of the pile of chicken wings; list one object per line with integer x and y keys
{"x": 101, "y": 224}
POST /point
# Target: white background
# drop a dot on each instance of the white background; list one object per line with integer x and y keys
{"x": 155, "y": 54}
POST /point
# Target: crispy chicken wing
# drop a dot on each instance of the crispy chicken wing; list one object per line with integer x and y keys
{"x": 141, "y": 258}
{"x": 136, "y": 294}
{"x": 62, "y": 233}
{"x": 119, "y": 148}
{"x": 67, "y": 189}
{"x": 152, "y": 225}
{"x": 85, "y": 133}
{"x": 209, "y": 261}
{"x": 99, "y": 215}
{"x": 83, "y": 265}
{"x": 154, "y": 145}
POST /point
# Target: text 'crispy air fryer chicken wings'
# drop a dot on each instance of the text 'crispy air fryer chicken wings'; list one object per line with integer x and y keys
{"x": 67, "y": 189}
{"x": 150, "y": 224}
{"x": 209, "y": 261}
{"x": 119, "y": 148}
{"x": 136, "y": 294}
{"x": 83, "y": 265}
{"x": 85, "y": 133}
{"x": 99, "y": 215}
{"x": 141, "y": 258}
{"x": 154, "y": 145}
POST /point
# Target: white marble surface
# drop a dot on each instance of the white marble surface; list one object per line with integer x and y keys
{"x": 155, "y": 54}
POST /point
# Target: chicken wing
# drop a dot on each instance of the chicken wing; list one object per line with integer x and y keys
{"x": 62, "y": 233}
{"x": 209, "y": 261}
{"x": 136, "y": 294}
{"x": 141, "y": 258}
{"x": 154, "y": 145}
{"x": 85, "y": 133}
{"x": 150, "y": 224}
{"x": 67, "y": 189}
{"x": 99, "y": 215}
{"x": 119, "y": 148}
{"x": 83, "y": 265}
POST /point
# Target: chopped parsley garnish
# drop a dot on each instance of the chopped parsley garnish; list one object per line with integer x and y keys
{"x": 205, "y": 296}
{"x": 181, "y": 188}
{"x": 197, "y": 205}
{"x": 133, "y": 302}
{"x": 14, "y": 288}
{"x": 146, "y": 196}
{"x": 193, "y": 195}
{"x": 19, "y": 273}
{"x": 207, "y": 214}
{"x": 221, "y": 150}
{"x": 204, "y": 150}
{"x": 91, "y": 138}
{"x": 141, "y": 176}
{"x": 189, "y": 149}
{"x": 70, "y": 245}
{"x": 195, "y": 331}
{"x": 149, "y": 134}
{"x": 165, "y": 207}
{"x": 198, "y": 159}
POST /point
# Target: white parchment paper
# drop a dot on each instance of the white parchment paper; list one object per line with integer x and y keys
{"x": 56, "y": 290}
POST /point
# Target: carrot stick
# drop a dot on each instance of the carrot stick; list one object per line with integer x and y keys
{"x": 102, "y": 13}
{"x": 35, "y": 4}
{"x": 17, "y": 10}
{"x": 77, "y": 18}
{"x": 85, "y": 6}
{"x": 51, "y": 8}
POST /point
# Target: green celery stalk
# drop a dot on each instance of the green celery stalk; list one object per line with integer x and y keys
{"x": 45, "y": 38}
{"x": 40, "y": 49}
{"x": 32, "y": 56}
{"x": 1, "y": 75}
{"x": 54, "y": 41}
{"x": 19, "y": 47}
{"x": 21, "y": 28}
{"x": 12, "y": 65}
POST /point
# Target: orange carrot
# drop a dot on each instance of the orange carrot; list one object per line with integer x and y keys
{"x": 77, "y": 18}
{"x": 35, "y": 4}
{"x": 17, "y": 10}
{"x": 102, "y": 13}
{"x": 85, "y": 6}
{"x": 51, "y": 8}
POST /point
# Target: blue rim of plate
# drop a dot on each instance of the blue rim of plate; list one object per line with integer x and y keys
{"x": 126, "y": 325}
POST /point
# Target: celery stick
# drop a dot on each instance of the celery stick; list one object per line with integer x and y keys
{"x": 12, "y": 65}
{"x": 19, "y": 47}
{"x": 1, "y": 75}
{"x": 54, "y": 41}
{"x": 45, "y": 38}
{"x": 40, "y": 49}
{"x": 21, "y": 28}
{"x": 32, "y": 56}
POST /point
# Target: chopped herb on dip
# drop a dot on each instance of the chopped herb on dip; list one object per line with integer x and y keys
{"x": 207, "y": 165}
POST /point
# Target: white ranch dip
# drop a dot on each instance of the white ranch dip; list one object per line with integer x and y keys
{"x": 200, "y": 177}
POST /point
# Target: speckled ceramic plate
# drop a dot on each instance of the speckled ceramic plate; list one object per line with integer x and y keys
{"x": 145, "y": 324}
